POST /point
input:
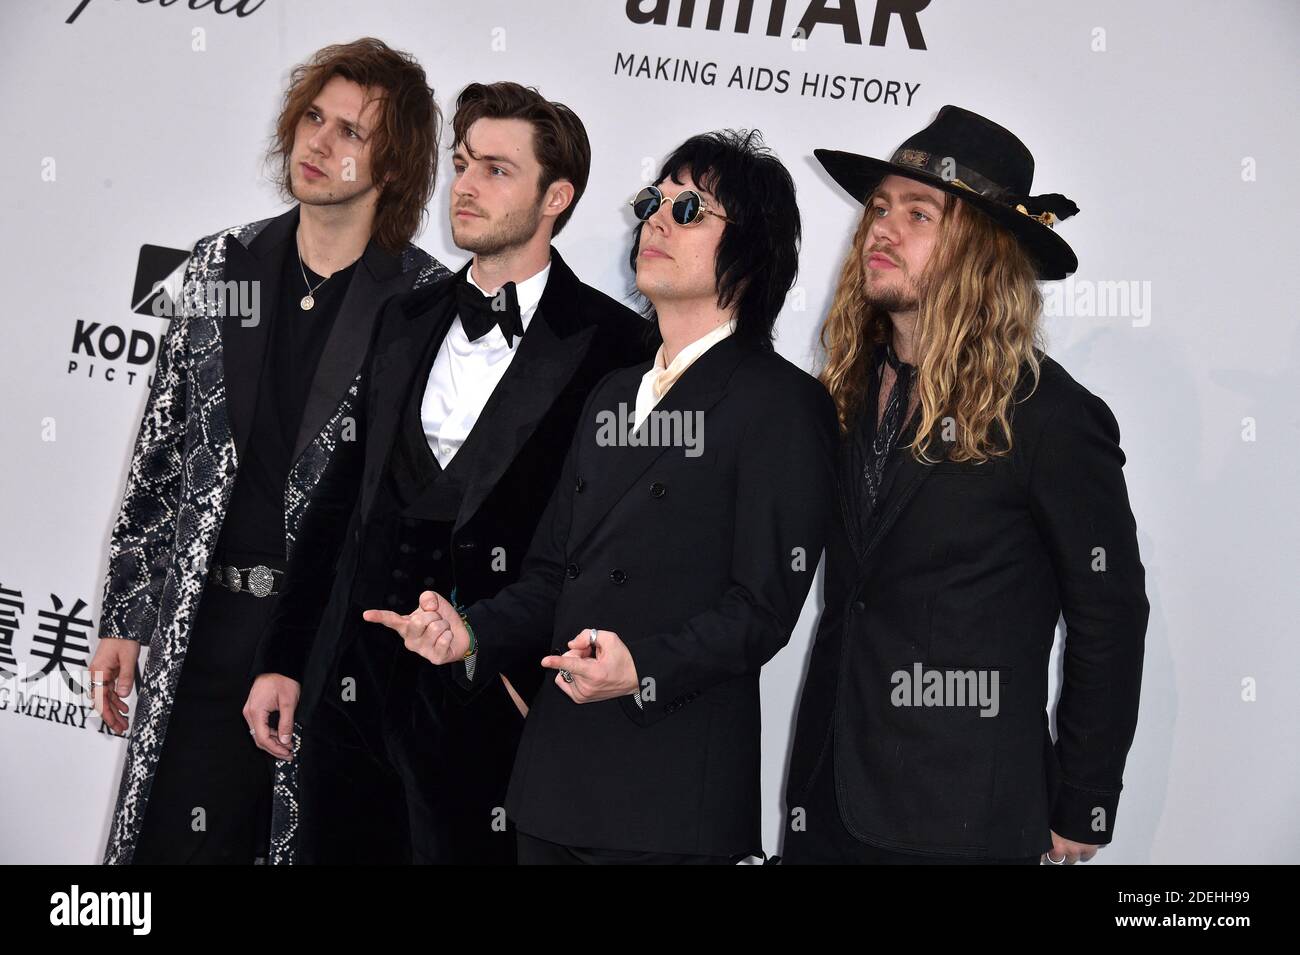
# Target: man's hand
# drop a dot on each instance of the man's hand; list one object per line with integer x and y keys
{"x": 272, "y": 692}
{"x": 1067, "y": 852}
{"x": 434, "y": 630}
{"x": 113, "y": 666}
{"x": 609, "y": 674}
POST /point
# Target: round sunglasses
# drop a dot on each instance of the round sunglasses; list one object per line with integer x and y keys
{"x": 686, "y": 208}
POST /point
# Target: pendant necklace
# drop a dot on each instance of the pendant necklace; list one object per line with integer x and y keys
{"x": 307, "y": 300}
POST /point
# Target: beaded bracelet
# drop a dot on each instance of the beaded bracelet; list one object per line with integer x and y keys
{"x": 473, "y": 640}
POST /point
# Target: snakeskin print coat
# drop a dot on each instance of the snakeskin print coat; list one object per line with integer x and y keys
{"x": 179, "y": 485}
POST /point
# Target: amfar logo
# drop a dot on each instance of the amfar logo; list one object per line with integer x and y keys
{"x": 843, "y": 14}
{"x": 158, "y": 277}
{"x": 103, "y": 908}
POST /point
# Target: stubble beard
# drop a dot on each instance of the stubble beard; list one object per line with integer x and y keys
{"x": 513, "y": 231}
{"x": 892, "y": 299}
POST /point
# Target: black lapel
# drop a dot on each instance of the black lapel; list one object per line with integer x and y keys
{"x": 243, "y": 346}
{"x": 616, "y": 468}
{"x": 903, "y": 481}
{"x": 413, "y": 323}
{"x": 909, "y": 477}
{"x": 557, "y": 341}
{"x": 376, "y": 278}
{"x": 906, "y": 481}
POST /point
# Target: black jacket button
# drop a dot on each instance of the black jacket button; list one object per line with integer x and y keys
{"x": 617, "y": 576}
{"x": 404, "y": 548}
{"x": 428, "y": 581}
{"x": 657, "y": 489}
{"x": 571, "y": 571}
{"x": 436, "y": 555}
{"x": 859, "y": 606}
{"x": 392, "y": 600}
{"x": 399, "y": 574}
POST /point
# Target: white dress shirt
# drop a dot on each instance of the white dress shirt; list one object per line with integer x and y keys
{"x": 656, "y": 382}
{"x": 465, "y": 372}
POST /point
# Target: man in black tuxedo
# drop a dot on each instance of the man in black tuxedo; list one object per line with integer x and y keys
{"x": 470, "y": 401}
{"x": 677, "y": 550}
{"x": 982, "y": 497}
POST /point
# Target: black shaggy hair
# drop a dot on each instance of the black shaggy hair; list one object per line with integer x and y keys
{"x": 758, "y": 254}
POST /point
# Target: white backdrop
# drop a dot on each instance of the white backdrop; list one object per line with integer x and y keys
{"x": 1171, "y": 123}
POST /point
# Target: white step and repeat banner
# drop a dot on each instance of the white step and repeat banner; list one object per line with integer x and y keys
{"x": 133, "y": 128}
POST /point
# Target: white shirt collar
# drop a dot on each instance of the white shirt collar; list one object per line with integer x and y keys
{"x": 695, "y": 349}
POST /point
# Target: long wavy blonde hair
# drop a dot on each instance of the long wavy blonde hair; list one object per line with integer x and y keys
{"x": 978, "y": 325}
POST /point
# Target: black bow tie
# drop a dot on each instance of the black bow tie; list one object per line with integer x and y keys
{"x": 479, "y": 312}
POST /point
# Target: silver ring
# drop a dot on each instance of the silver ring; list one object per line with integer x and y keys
{"x": 593, "y": 641}
{"x": 568, "y": 677}
{"x": 97, "y": 683}
{"x": 1064, "y": 856}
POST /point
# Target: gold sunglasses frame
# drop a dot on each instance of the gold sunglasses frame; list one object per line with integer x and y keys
{"x": 665, "y": 198}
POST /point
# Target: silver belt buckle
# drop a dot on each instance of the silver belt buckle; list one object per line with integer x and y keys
{"x": 260, "y": 582}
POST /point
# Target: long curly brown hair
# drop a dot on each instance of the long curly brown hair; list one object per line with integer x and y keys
{"x": 404, "y": 145}
{"x": 978, "y": 328}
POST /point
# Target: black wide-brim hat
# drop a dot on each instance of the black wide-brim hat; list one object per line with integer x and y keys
{"x": 981, "y": 163}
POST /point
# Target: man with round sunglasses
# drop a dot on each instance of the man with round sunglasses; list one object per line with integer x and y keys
{"x": 676, "y": 553}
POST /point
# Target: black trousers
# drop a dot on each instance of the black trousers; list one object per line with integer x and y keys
{"x": 534, "y": 851}
{"x": 396, "y": 769}
{"x": 824, "y": 840}
{"x": 210, "y": 801}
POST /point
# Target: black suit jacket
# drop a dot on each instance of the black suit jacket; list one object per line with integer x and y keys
{"x": 576, "y": 336}
{"x": 701, "y": 565}
{"x": 380, "y": 275}
{"x": 969, "y": 569}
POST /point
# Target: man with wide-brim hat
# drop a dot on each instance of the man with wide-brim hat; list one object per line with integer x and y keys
{"x": 981, "y": 163}
{"x": 981, "y": 498}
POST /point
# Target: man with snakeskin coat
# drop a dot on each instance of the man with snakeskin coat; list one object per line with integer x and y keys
{"x": 247, "y": 409}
